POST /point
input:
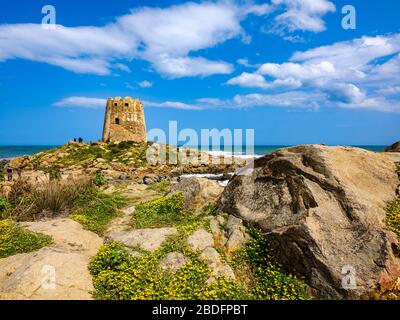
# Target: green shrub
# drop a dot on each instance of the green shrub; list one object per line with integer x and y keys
{"x": 269, "y": 281}
{"x": 120, "y": 276}
{"x": 5, "y": 206}
{"x": 99, "y": 179}
{"x": 14, "y": 239}
{"x": 164, "y": 211}
{"x": 94, "y": 209}
{"x": 2, "y": 177}
{"x": 393, "y": 216}
{"x": 160, "y": 187}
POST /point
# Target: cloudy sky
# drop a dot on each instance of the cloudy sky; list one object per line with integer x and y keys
{"x": 286, "y": 68}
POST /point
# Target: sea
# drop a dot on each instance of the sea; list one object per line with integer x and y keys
{"x": 8, "y": 152}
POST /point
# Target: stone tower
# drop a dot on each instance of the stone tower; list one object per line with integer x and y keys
{"x": 124, "y": 120}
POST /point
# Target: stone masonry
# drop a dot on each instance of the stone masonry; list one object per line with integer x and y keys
{"x": 124, "y": 120}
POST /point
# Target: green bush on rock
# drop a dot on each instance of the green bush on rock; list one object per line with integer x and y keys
{"x": 14, "y": 239}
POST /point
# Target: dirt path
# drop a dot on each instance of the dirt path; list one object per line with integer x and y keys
{"x": 58, "y": 271}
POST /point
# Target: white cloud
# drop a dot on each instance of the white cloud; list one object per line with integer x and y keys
{"x": 82, "y": 102}
{"x": 245, "y": 62}
{"x": 251, "y": 80}
{"x": 172, "y": 104}
{"x": 351, "y": 74}
{"x": 145, "y": 84}
{"x": 304, "y": 15}
{"x": 100, "y": 103}
{"x": 167, "y": 38}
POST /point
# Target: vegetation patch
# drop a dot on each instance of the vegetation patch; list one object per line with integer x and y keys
{"x": 162, "y": 212}
{"x": 99, "y": 179}
{"x": 265, "y": 278}
{"x": 81, "y": 199}
{"x": 94, "y": 209}
{"x": 29, "y": 202}
{"x": 393, "y": 216}
{"x": 117, "y": 275}
{"x": 5, "y": 206}
{"x": 160, "y": 187}
{"x": 123, "y": 152}
{"x": 14, "y": 239}
{"x": 120, "y": 276}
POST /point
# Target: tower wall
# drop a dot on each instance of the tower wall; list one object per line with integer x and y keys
{"x": 124, "y": 120}
{"x": 107, "y": 121}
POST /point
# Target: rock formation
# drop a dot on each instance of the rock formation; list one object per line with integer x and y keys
{"x": 124, "y": 120}
{"x": 322, "y": 210}
{"x": 198, "y": 192}
{"x": 395, "y": 147}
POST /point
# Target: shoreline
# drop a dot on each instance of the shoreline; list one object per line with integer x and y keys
{"x": 7, "y": 153}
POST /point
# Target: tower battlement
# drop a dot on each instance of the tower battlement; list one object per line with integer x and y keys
{"x": 124, "y": 120}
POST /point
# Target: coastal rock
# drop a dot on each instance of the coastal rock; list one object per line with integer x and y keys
{"x": 200, "y": 239}
{"x": 198, "y": 192}
{"x": 395, "y": 147}
{"x": 322, "y": 210}
{"x": 147, "y": 239}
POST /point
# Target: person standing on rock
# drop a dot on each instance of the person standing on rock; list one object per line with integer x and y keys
{"x": 80, "y": 140}
{"x": 9, "y": 174}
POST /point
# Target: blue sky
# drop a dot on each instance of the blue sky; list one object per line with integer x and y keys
{"x": 286, "y": 69}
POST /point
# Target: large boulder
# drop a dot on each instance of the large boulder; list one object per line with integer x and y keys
{"x": 395, "y": 147}
{"x": 198, "y": 192}
{"x": 323, "y": 211}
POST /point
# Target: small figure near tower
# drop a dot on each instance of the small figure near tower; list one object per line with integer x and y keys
{"x": 124, "y": 120}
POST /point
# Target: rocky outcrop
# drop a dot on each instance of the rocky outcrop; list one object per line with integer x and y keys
{"x": 198, "y": 192}
{"x": 322, "y": 210}
{"x": 395, "y": 147}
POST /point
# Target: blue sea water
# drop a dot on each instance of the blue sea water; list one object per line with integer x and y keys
{"x": 7, "y": 152}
